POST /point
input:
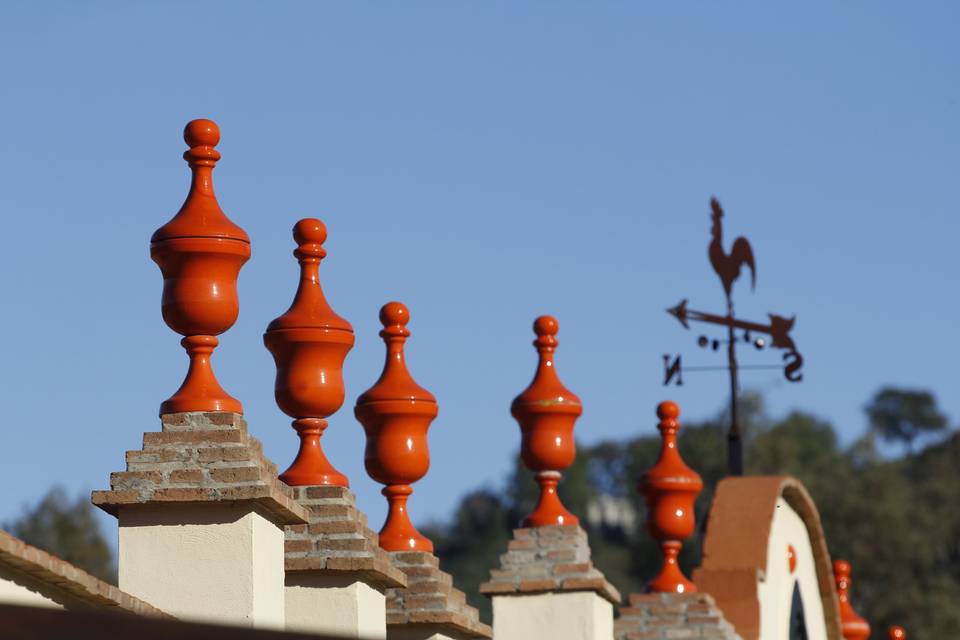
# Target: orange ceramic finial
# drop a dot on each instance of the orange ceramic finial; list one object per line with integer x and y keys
{"x": 852, "y": 625}
{"x": 670, "y": 488}
{"x": 309, "y": 344}
{"x": 896, "y": 633}
{"x": 546, "y": 412}
{"x": 200, "y": 253}
{"x": 396, "y": 413}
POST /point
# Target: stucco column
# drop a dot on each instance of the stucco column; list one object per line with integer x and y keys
{"x": 201, "y": 517}
{"x": 547, "y": 587}
{"x": 336, "y": 573}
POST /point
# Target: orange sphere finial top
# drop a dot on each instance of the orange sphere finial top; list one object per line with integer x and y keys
{"x": 396, "y": 413}
{"x": 200, "y": 253}
{"x": 309, "y": 344}
{"x": 668, "y": 412}
{"x": 852, "y": 625}
{"x": 896, "y": 633}
{"x": 310, "y": 231}
{"x": 670, "y": 489}
{"x": 201, "y": 133}
{"x": 546, "y": 412}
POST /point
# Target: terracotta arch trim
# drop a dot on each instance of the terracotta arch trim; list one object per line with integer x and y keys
{"x": 735, "y": 548}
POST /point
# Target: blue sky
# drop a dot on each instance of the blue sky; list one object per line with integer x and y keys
{"x": 484, "y": 163}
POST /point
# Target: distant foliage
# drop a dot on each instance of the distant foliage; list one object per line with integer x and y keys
{"x": 69, "y": 530}
{"x": 894, "y": 520}
{"x": 898, "y": 415}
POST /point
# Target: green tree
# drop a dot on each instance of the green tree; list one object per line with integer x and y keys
{"x": 69, "y": 530}
{"x": 901, "y": 415}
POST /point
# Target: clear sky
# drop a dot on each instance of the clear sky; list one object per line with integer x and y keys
{"x": 484, "y": 163}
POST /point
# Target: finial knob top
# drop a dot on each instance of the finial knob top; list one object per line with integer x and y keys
{"x": 310, "y": 231}
{"x": 896, "y": 633}
{"x": 201, "y": 133}
{"x": 668, "y": 410}
{"x": 394, "y": 314}
{"x": 546, "y": 326}
{"x": 841, "y": 570}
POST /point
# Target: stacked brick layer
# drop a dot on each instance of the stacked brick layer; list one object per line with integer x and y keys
{"x": 201, "y": 457}
{"x": 673, "y": 616}
{"x": 56, "y": 578}
{"x": 430, "y": 600}
{"x": 337, "y": 539}
{"x": 548, "y": 559}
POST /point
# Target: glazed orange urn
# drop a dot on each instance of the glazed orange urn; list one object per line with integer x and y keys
{"x": 546, "y": 412}
{"x": 852, "y": 625}
{"x": 200, "y": 253}
{"x": 670, "y": 489}
{"x": 309, "y": 344}
{"x": 396, "y": 413}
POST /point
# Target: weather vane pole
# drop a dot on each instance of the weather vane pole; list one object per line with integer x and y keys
{"x": 728, "y": 267}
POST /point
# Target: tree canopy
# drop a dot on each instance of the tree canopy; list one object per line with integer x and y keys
{"x": 899, "y": 415}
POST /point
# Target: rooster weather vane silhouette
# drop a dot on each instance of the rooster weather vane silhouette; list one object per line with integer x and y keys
{"x": 729, "y": 267}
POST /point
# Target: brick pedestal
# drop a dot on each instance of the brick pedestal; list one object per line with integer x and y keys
{"x": 547, "y": 587}
{"x": 201, "y": 516}
{"x": 666, "y": 616}
{"x": 336, "y": 571}
{"x": 430, "y": 607}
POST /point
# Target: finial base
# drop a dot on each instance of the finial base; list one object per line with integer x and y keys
{"x": 549, "y": 510}
{"x": 398, "y": 533}
{"x": 311, "y": 467}
{"x": 200, "y": 390}
{"x": 671, "y": 579}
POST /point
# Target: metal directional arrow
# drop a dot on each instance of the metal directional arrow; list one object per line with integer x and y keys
{"x": 728, "y": 267}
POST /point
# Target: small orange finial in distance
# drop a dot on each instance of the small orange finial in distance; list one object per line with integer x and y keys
{"x": 396, "y": 413}
{"x": 896, "y": 633}
{"x": 309, "y": 344}
{"x": 852, "y": 625}
{"x": 200, "y": 253}
{"x": 670, "y": 489}
{"x": 546, "y": 412}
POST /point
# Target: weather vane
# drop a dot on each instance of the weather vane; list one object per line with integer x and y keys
{"x": 729, "y": 266}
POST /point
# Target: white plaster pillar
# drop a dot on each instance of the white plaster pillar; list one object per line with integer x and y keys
{"x": 564, "y": 615}
{"x": 201, "y": 516}
{"x": 210, "y": 562}
{"x": 338, "y": 605}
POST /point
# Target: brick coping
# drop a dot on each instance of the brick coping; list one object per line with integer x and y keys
{"x": 548, "y": 560}
{"x": 337, "y": 540}
{"x": 59, "y": 577}
{"x": 663, "y": 616}
{"x": 430, "y": 602}
{"x": 201, "y": 457}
